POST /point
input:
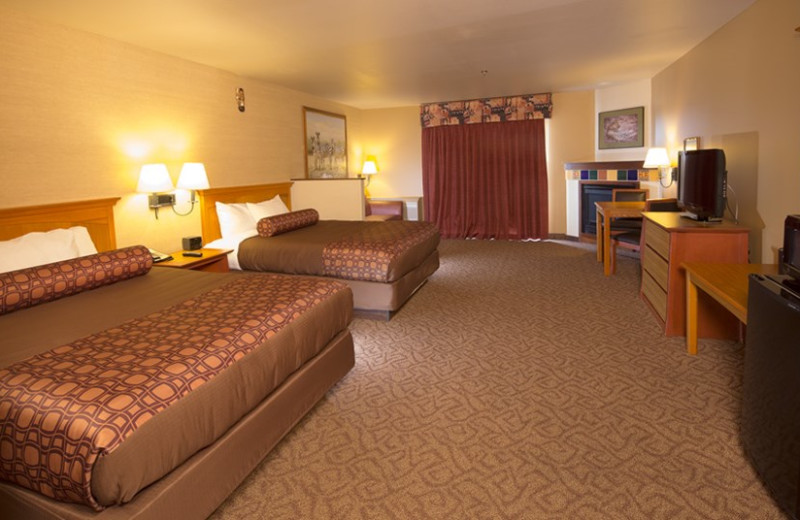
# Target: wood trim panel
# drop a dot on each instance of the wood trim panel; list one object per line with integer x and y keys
{"x": 236, "y": 194}
{"x": 605, "y": 165}
{"x": 656, "y": 266}
{"x": 97, "y": 216}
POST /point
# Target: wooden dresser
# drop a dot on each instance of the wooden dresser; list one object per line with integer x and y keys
{"x": 670, "y": 240}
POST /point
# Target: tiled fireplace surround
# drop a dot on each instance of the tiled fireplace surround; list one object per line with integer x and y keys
{"x": 610, "y": 171}
{"x": 600, "y": 173}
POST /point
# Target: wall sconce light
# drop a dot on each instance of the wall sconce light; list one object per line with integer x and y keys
{"x": 369, "y": 169}
{"x": 154, "y": 179}
{"x": 240, "y": 99}
{"x": 658, "y": 158}
{"x": 193, "y": 177}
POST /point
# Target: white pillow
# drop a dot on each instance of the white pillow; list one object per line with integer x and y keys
{"x": 268, "y": 208}
{"x": 83, "y": 242}
{"x": 39, "y": 248}
{"x": 234, "y": 219}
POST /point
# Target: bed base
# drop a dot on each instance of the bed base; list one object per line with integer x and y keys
{"x": 197, "y": 487}
{"x": 374, "y": 300}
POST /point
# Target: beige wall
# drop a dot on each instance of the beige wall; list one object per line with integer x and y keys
{"x": 337, "y": 199}
{"x": 739, "y": 91}
{"x": 617, "y": 97}
{"x": 570, "y": 139}
{"x": 394, "y": 137}
{"x": 81, "y": 113}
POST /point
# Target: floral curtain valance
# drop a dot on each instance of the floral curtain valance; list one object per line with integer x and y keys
{"x": 487, "y": 110}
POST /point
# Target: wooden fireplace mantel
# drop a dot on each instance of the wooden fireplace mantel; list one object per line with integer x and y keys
{"x": 605, "y": 165}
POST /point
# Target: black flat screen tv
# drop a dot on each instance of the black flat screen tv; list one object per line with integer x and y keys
{"x": 702, "y": 184}
{"x": 791, "y": 246}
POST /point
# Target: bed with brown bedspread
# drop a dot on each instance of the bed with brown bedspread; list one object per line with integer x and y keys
{"x": 131, "y": 392}
{"x": 384, "y": 263}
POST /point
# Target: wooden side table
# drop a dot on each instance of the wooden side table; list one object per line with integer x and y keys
{"x": 213, "y": 260}
{"x": 726, "y": 283}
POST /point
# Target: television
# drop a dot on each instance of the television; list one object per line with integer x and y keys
{"x": 791, "y": 246}
{"x": 702, "y": 184}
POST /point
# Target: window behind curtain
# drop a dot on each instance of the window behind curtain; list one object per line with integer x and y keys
{"x": 486, "y": 180}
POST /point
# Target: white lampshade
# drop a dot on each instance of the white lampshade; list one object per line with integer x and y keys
{"x": 370, "y": 166}
{"x": 154, "y": 178}
{"x": 656, "y": 158}
{"x": 193, "y": 177}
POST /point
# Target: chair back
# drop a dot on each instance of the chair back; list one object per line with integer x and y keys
{"x": 670, "y": 204}
{"x": 628, "y": 194}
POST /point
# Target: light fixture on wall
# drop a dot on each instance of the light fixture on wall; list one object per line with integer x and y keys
{"x": 658, "y": 158}
{"x": 193, "y": 177}
{"x": 369, "y": 169}
{"x": 240, "y": 99}
{"x": 155, "y": 180}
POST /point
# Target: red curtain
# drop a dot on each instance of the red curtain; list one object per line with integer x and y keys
{"x": 486, "y": 180}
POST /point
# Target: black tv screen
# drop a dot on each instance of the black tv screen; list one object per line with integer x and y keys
{"x": 702, "y": 183}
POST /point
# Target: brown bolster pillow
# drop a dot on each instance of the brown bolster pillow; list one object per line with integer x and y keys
{"x": 271, "y": 226}
{"x": 44, "y": 283}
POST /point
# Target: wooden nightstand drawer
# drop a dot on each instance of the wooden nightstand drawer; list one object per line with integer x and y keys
{"x": 655, "y": 295}
{"x": 213, "y": 260}
{"x": 656, "y": 266}
{"x": 657, "y": 238}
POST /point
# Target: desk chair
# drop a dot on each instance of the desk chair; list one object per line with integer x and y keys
{"x": 627, "y": 195}
{"x": 632, "y": 239}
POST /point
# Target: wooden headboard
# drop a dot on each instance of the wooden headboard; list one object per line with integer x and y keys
{"x": 95, "y": 215}
{"x": 255, "y": 193}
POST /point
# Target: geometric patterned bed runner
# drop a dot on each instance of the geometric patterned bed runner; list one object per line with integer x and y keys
{"x": 367, "y": 253}
{"x": 60, "y": 410}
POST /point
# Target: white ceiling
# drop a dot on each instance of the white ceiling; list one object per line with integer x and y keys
{"x": 385, "y": 53}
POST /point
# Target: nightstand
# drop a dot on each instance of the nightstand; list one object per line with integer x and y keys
{"x": 213, "y": 260}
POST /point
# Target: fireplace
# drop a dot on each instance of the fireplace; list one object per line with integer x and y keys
{"x": 596, "y": 191}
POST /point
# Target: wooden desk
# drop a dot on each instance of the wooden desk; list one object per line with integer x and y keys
{"x": 607, "y": 211}
{"x": 670, "y": 240}
{"x": 726, "y": 283}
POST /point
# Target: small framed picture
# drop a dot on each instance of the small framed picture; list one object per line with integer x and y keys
{"x": 621, "y": 128}
{"x": 691, "y": 143}
{"x": 325, "y": 144}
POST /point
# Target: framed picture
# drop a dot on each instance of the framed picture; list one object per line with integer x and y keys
{"x": 325, "y": 144}
{"x": 621, "y": 128}
{"x": 691, "y": 143}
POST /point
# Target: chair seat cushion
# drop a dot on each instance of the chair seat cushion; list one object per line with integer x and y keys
{"x": 629, "y": 237}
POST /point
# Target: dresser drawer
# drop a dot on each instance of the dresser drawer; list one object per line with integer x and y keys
{"x": 655, "y": 295}
{"x": 657, "y": 238}
{"x": 656, "y": 266}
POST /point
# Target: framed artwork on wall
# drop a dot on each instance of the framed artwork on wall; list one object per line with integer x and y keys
{"x": 621, "y": 128}
{"x": 691, "y": 143}
{"x": 325, "y": 144}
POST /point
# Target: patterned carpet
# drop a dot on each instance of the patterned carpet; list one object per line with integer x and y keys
{"x": 519, "y": 383}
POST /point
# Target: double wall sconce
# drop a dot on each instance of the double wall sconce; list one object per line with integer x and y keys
{"x": 155, "y": 180}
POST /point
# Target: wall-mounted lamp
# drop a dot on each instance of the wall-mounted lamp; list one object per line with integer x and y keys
{"x": 369, "y": 169}
{"x": 240, "y": 99}
{"x": 658, "y": 158}
{"x": 193, "y": 177}
{"x": 155, "y": 180}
